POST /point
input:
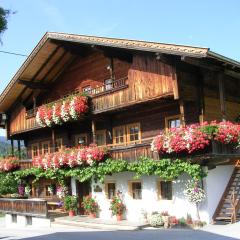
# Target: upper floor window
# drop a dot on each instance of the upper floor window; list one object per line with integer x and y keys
{"x": 130, "y": 133}
{"x": 81, "y": 139}
{"x": 133, "y": 132}
{"x": 58, "y": 144}
{"x": 45, "y": 147}
{"x": 119, "y": 135}
{"x": 35, "y": 150}
{"x": 101, "y": 137}
{"x": 173, "y": 121}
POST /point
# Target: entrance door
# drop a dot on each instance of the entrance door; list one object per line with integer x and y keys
{"x": 83, "y": 190}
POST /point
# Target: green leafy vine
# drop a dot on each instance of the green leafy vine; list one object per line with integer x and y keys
{"x": 167, "y": 169}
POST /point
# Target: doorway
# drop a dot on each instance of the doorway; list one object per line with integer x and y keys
{"x": 83, "y": 190}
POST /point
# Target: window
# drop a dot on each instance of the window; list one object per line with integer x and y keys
{"x": 29, "y": 220}
{"x": 35, "y": 150}
{"x": 14, "y": 218}
{"x": 87, "y": 89}
{"x": 81, "y": 140}
{"x": 101, "y": 137}
{"x": 135, "y": 189}
{"x": 108, "y": 84}
{"x": 58, "y": 144}
{"x": 173, "y": 121}
{"x": 110, "y": 189}
{"x": 130, "y": 133}
{"x": 164, "y": 190}
{"x": 45, "y": 147}
{"x": 119, "y": 135}
{"x": 133, "y": 132}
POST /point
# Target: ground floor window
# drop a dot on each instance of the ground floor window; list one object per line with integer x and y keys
{"x": 135, "y": 189}
{"x": 110, "y": 189}
{"x": 164, "y": 190}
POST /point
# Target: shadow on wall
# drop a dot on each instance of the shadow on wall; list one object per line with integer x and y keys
{"x": 161, "y": 234}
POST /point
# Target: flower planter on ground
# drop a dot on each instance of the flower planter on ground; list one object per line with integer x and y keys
{"x": 92, "y": 215}
{"x": 71, "y": 213}
{"x": 91, "y": 207}
{"x": 119, "y": 217}
{"x": 117, "y": 207}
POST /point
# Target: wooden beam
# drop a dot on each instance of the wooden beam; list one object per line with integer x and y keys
{"x": 222, "y": 95}
{"x": 182, "y": 112}
{"x": 53, "y": 140}
{"x": 19, "y": 99}
{"x": 19, "y": 149}
{"x": 94, "y": 131}
{"x": 33, "y": 85}
{"x": 12, "y": 147}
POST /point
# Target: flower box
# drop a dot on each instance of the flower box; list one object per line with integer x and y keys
{"x": 68, "y": 109}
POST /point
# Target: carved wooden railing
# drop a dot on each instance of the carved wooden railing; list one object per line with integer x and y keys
{"x": 27, "y": 207}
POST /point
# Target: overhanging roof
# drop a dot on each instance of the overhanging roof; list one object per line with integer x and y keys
{"x": 48, "y": 59}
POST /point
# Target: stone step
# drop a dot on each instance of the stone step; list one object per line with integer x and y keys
{"x": 98, "y": 224}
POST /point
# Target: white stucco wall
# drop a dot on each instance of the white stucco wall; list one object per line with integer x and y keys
{"x": 214, "y": 186}
{"x": 178, "y": 206}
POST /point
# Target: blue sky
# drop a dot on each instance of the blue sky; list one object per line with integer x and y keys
{"x": 206, "y": 23}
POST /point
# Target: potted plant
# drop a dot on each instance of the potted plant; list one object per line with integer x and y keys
{"x": 90, "y": 206}
{"x": 117, "y": 207}
{"x": 166, "y": 219}
{"x": 70, "y": 204}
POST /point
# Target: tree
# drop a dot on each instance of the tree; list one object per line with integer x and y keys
{"x": 3, "y": 19}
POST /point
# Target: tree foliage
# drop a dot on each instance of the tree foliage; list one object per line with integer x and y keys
{"x": 3, "y": 19}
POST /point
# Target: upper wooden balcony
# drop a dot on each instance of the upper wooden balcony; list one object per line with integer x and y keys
{"x": 107, "y": 97}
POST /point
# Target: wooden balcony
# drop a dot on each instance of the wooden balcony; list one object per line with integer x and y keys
{"x": 27, "y": 207}
{"x": 116, "y": 94}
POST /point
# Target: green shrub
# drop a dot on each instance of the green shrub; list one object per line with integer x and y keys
{"x": 70, "y": 203}
{"x": 8, "y": 184}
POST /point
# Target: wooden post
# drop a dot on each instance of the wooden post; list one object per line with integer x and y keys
{"x": 201, "y": 102}
{"x": 19, "y": 149}
{"x": 222, "y": 95}
{"x": 12, "y": 147}
{"x": 53, "y": 140}
{"x": 94, "y": 131}
{"x": 181, "y": 106}
{"x": 34, "y": 104}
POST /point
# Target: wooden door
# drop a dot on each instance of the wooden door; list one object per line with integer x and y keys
{"x": 83, "y": 189}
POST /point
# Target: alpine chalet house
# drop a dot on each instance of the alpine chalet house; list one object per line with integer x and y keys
{"x": 119, "y": 94}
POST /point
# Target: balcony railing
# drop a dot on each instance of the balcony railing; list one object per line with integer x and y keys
{"x": 111, "y": 86}
{"x": 27, "y": 207}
